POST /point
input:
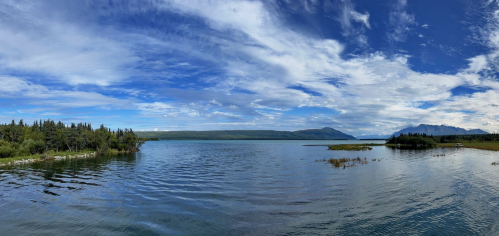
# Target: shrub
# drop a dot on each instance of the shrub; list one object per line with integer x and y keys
{"x": 7, "y": 151}
{"x": 34, "y": 147}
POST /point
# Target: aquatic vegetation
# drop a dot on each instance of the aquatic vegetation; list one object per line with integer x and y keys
{"x": 347, "y": 162}
{"x": 439, "y": 155}
{"x": 349, "y": 147}
{"x": 495, "y": 163}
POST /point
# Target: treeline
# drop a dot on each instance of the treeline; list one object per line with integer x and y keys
{"x": 423, "y": 139}
{"x": 414, "y": 139}
{"x": 20, "y": 139}
{"x": 470, "y": 138}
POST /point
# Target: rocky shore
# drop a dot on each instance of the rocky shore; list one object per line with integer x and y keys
{"x": 55, "y": 158}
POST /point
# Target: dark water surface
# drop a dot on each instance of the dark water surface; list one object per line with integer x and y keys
{"x": 254, "y": 188}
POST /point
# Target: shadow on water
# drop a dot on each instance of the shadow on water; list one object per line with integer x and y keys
{"x": 70, "y": 174}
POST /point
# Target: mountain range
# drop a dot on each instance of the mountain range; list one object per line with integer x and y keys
{"x": 439, "y": 130}
{"x": 308, "y": 134}
{"x": 429, "y": 130}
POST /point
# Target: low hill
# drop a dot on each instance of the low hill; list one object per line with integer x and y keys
{"x": 308, "y": 134}
{"x": 439, "y": 130}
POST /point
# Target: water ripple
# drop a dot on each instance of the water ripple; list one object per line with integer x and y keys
{"x": 254, "y": 188}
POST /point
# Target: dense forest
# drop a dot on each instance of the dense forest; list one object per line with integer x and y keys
{"x": 20, "y": 139}
{"x": 472, "y": 138}
{"x": 414, "y": 139}
{"x": 430, "y": 140}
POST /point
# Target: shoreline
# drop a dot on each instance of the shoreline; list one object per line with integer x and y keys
{"x": 492, "y": 146}
{"x": 11, "y": 161}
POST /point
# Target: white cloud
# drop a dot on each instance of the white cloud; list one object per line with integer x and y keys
{"x": 477, "y": 64}
{"x": 58, "y": 49}
{"x": 363, "y": 89}
{"x": 400, "y": 21}
{"x": 35, "y": 94}
{"x": 425, "y": 26}
{"x": 359, "y": 17}
{"x": 214, "y": 102}
{"x": 347, "y": 16}
{"x": 267, "y": 69}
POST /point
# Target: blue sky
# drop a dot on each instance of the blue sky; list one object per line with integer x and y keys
{"x": 362, "y": 67}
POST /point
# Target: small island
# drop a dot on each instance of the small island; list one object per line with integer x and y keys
{"x": 48, "y": 139}
{"x": 422, "y": 140}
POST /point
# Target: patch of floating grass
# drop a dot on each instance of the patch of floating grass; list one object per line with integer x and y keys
{"x": 349, "y": 147}
{"x": 439, "y": 155}
{"x": 346, "y": 162}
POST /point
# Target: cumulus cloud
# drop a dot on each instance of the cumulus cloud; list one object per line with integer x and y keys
{"x": 249, "y": 70}
{"x": 364, "y": 89}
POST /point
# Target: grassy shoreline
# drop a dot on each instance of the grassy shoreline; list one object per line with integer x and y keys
{"x": 45, "y": 157}
{"x": 491, "y": 146}
{"x": 482, "y": 146}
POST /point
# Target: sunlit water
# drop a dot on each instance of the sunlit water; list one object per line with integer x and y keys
{"x": 254, "y": 188}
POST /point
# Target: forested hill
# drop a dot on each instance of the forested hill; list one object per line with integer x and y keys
{"x": 308, "y": 134}
{"x": 438, "y": 130}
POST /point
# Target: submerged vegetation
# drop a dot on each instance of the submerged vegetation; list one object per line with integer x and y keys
{"x": 23, "y": 140}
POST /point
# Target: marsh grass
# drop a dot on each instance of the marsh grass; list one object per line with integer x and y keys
{"x": 491, "y": 146}
{"x": 346, "y": 162}
{"x": 350, "y": 147}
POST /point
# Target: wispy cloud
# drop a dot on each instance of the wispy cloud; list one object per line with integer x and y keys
{"x": 348, "y": 16}
{"x": 220, "y": 64}
{"x": 400, "y": 22}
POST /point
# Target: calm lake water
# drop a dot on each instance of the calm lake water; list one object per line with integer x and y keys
{"x": 254, "y": 188}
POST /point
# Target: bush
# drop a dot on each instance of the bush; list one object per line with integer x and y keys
{"x": 7, "y": 151}
{"x": 34, "y": 147}
{"x": 22, "y": 151}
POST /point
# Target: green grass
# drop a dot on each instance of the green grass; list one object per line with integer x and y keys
{"x": 4, "y": 161}
{"x": 350, "y": 147}
{"x": 484, "y": 146}
{"x": 12, "y": 159}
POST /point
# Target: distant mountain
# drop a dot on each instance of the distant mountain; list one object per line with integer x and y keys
{"x": 438, "y": 130}
{"x": 308, "y": 134}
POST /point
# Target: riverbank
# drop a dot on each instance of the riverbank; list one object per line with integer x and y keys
{"x": 9, "y": 161}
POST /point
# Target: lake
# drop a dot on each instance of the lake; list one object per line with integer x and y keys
{"x": 255, "y": 188}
